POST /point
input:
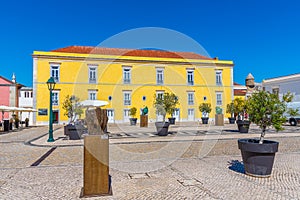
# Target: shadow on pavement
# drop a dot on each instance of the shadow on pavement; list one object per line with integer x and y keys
{"x": 236, "y": 166}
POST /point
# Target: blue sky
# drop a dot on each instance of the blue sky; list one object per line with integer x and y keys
{"x": 260, "y": 36}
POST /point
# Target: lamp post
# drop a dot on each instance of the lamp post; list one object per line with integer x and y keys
{"x": 51, "y": 85}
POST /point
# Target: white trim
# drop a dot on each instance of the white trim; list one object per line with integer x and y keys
{"x": 283, "y": 78}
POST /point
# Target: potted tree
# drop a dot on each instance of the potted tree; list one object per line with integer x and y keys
{"x": 173, "y": 101}
{"x": 265, "y": 110}
{"x": 164, "y": 104}
{"x": 240, "y": 108}
{"x": 27, "y": 122}
{"x": 132, "y": 113}
{"x": 17, "y": 121}
{"x": 73, "y": 110}
{"x": 230, "y": 110}
{"x": 205, "y": 108}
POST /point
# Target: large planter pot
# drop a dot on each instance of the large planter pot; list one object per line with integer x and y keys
{"x": 231, "y": 120}
{"x": 74, "y": 132}
{"x": 162, "y": 128}
{"x": 243, "y": 126}
{"x": 258, "y": 158}
{"x": 132, "y": 121}
{"x": 26, "y": 123}
{"x": 172, "y": 120}
{"x": 16, "y": 124}
{"x": 204, "y": 120}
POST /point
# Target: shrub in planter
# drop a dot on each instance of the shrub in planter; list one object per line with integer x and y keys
{"x": 205, "y": 108}
{"x": 240, "y": 110}
{"x": 265, "y": 110}
{"x": 17, "y": 121}
{"x": 26, "y": 122}
{"x": 132, "y": 113}
{"x": 164, "y": 104}
{"x": 230, "y": 110}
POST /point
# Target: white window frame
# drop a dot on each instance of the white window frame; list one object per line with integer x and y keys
{"x": 219, "y": 78}
{"x": 191, "y": 98}
{"x": 126, "y": 74}
{"x": 55, "y": 71}
{"x": 92, "y": 94}
{"x": 190, "y": 77}
{"x": 93, "y": 73}
{"x": 55, "y": 98}
{"x": 160, "y": 94}
{"x": 219, "y": 98}
{"x": 127, "y": 98}
{"x": 159, "y": 76}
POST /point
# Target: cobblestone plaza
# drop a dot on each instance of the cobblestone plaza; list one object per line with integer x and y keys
{"x": 193, "y": 162}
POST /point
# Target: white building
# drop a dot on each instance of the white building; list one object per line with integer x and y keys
{"x": 26, "y": 101}
{"x": 283, "y": 84}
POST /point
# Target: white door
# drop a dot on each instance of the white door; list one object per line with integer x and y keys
{"x": 191, "y": 114}
{"x": 111, "y": 116}
{"x": 126, "y": 115}
{"x": 176, "y": 114}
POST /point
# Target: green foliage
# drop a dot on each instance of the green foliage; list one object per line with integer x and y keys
{"x": 72, "y": 107}
{"x": 266, "y": 109}
{"x": 240, "y": 107}
{"x": 230, "y": 109}
{"x": 132, "y": 112}
{"x": 205, "y": 108}
{"x": 165, "y": 104}
{"x": 293, "y": 112}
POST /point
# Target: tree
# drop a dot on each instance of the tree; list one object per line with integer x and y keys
{"x": 266, "y": 109}
{"x": 205, "y": 108}
{"x": 72, "y": 108}
{"x": 239, "y": 107}
{"x": 165, "y": 104}
{"x": 230, "y": 109}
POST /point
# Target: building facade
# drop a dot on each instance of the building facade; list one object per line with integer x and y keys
{"x": 283, "y": 84}
{"x": 129, "y": 78}
{"x": 26, "y": 101}
{"x": 9, "y": 94}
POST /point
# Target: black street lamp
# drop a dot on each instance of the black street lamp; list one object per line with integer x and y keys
{"x": 51, "y": 85}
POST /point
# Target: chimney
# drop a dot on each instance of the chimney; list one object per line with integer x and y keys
{"x": 13, "y": 79}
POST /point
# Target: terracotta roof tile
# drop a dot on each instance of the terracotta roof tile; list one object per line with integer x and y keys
{"x": 130, "y": 52}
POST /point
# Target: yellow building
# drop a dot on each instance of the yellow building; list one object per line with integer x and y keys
{"x": 130, "y": 78}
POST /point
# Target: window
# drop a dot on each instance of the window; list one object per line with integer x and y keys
{"x": 160, "y": 94}
{"x": 218, "y": 77}
{"x": 92, "y": 94}
{"x": 55, "y": 98}
{"x": 55, "y": 72}
{"x": 92, "y": 74}
{"x": 126, "y": 75}
{"x": 159, "y": 76}
{"x": 27, "y": 94}
{"x": 191, "y": 98}
{"x": 275, "y": 91}
{"x": 219, "y": 98}
{"x": 190, "y": 77}
{"x": 127, "y": 98}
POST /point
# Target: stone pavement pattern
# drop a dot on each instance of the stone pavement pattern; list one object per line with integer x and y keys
{"x": 147, "y": 170}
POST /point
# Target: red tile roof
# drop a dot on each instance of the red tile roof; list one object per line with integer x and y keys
{"x": 239, "y": 92}
{"x": 131, "y": 52}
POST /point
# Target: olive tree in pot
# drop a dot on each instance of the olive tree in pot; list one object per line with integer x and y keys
{"x": 230, "y": 110}
{"x": 205, "y": 108}
{"x": 240, "y": 109}
{"x": 73, "y": 110}
{"x": 132, "y": 113}
{"x": 265, "y": 110}
{"x": 164, "y": 104}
